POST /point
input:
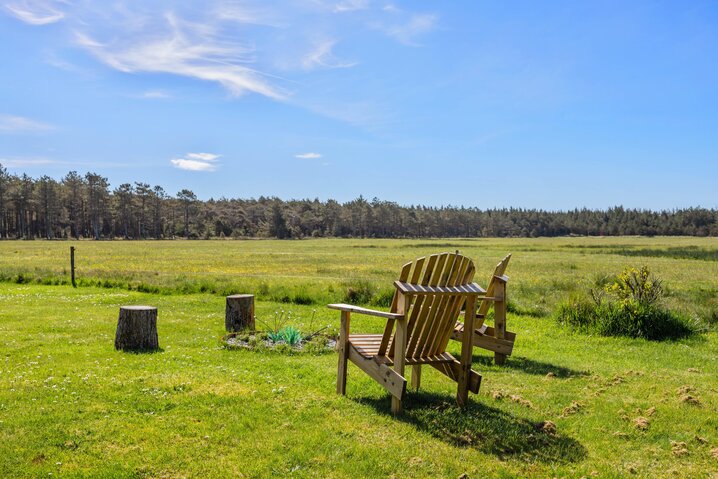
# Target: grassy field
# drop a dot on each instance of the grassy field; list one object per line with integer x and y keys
{"x": 71, "y": 406}
{"x": 321, "y": 271}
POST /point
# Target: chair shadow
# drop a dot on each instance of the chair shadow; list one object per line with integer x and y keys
{"x": 482, "y": 427}
{"x": 530, "y": 366}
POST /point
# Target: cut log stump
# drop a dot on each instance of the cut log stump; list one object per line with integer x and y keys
{"x": 137, "y": 329}
{"x": 239, "y": 313}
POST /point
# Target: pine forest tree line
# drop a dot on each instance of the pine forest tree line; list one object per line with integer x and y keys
{"x": 78, "y": 206}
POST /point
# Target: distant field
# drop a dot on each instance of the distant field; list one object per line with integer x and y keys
{"x": 542, "y": 271}
{"x": 71, "y": 406}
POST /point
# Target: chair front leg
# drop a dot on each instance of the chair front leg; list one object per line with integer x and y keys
{"x": 400, "y": 339}
{"x": 343, "y": 350}
{"x": 467, "y": 349}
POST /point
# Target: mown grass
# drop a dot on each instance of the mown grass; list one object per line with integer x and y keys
{"x": 71, "y": 406}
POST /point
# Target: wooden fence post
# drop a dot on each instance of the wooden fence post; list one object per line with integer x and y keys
{"x": 72, "y": 266}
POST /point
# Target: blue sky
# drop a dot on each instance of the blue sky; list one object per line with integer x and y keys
{"x": 550, "y": 105}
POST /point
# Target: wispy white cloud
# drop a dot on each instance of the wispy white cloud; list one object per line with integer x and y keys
{"x": 203, "y": 156}
{"x": 322, "y": 56}
{"x": 53, "y": 59}
{"x": 35, "y": 12}
{"x": 351, "y": 6}
{"x": 308, "y": 156}
{"x": 240, "y": 45}
{"x": 243, "y": 12}
{"x": 186, "y": 49}
{"x": 197, "y": 162}
{"x": 20, "y": 124}
{"x": 155, "y": 95}
{"x": 26, "y": 162}
{"x": 192, "y": 165}
{"x": 407, "y": 32}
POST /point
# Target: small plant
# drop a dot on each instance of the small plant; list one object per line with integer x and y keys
{"x": 637, "y": 285}
{"x": 275, "y": 336}
{"x": 291, "y": 335}
{"x": 274, "y": 327}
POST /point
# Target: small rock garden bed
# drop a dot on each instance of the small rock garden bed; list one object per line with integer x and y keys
{"x": 283, "y": 339}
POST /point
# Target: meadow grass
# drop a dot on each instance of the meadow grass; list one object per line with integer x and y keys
{"x": 71, "y": 406}
{"x": 544, "y": 270}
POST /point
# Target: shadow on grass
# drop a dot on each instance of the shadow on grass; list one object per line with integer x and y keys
{"x": 140, "y": 351}
{"x": 530, "y": 366}
{"x": 485, "y": 428}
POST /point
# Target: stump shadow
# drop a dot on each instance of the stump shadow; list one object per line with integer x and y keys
{"x": 530, "y": 366}
{"x": 140, "y": 351}
{"x": 482, "y": 427}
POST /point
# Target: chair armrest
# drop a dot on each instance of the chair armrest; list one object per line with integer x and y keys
{"x": 369, "y": 312}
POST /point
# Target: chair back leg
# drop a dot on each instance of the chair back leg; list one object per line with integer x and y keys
{"x": 500, "y": 307}
{"x": 416, "y": 377}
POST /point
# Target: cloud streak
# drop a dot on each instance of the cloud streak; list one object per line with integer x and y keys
{"x": 407, "y": 32}
{"x": 308, "y": 156}
{"x": 322, "y": 57}
{"x": 20, "y": 124}
{"x": 351, "y": 6}
{"x": 238, "y": 45}
{"x": 185, "y": 49}
{"x": 35, "y": 12}
{"x": 26, "y": 162}
{"x": 155, "y": 95}
{"x": 197, "y": 162}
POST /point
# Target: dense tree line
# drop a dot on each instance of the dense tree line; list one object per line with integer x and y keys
{"x": 80, "y": 206}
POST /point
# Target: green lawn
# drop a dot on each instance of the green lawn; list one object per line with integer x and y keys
{"x": 71, "y": 406}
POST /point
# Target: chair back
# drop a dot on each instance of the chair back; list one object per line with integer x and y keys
{"x": 435, "y": 288}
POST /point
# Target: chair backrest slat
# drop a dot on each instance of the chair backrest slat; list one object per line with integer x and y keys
{"x": 428, "y": 307}
{"x": 431, "y": 316}
{"x": 445, "y": 336}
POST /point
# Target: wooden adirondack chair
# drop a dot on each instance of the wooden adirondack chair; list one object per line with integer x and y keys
{"x": 495, "y": 338}
{"x": 430, "y": 294}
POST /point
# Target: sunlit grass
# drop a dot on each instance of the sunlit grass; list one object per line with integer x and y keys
{"x": 71, "y": 406}
{"x": 543, "y": 271}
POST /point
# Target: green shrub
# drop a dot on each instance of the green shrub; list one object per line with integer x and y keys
{"x": 629, "y": 306}
{"x": 359, "y": 292}
{"x": 383, "y": 297}
{"x": 632, "y": 319}
{"x": 637, "y": 285}
{"x": 303, "y": 298}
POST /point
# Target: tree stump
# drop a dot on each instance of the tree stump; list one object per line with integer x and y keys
{"x": 239, "y": 313}
{"x": 137, "y": 329}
